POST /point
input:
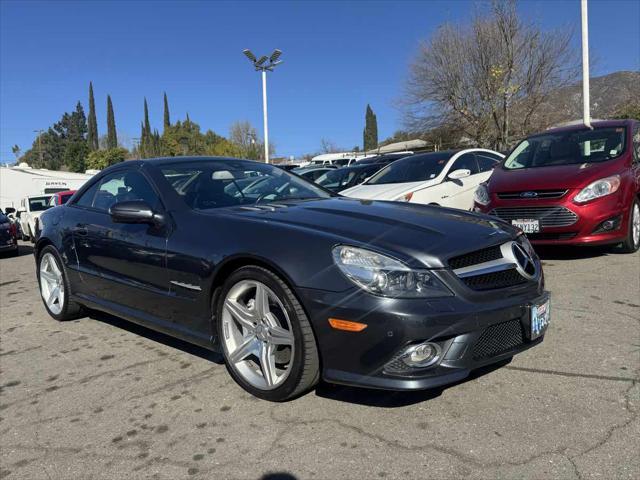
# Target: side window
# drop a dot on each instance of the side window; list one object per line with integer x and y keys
{"x": 346, "y": 179}
{"x": 119, "y": 187}
{"x": 636, "y": 143}
{"x": 317, "y": 174}
{"x": 466, "y": 161}
{"x": 86, "y": 200}
{"x": 486, "y": 161}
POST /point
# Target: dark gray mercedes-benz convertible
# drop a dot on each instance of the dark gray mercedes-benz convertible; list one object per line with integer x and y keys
{"x": 290, "y": 282}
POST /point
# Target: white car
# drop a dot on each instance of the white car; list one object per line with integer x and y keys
{"x": 447, "y": 178}
{"x": 28, "y": 213}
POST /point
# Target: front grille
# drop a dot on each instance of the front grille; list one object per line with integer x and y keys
{"x": 473, "y": 258}
{"x": 493, "y": 280}
{"x": 532, "y": 194}
{"x": 551, "y": 236}
{"x": 498, "y": 339}
{"x": 548, "y": 216}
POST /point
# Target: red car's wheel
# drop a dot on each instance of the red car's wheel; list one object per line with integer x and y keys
{"x": 632, "y": 242}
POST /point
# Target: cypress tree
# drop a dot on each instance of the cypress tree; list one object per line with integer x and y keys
{"x": 112, "y": 138}
{"x": 370, "y": 134}
{"x": 147, "y": 125}
{"x": 92, "y": 134}
{"x": 167, "y": 122}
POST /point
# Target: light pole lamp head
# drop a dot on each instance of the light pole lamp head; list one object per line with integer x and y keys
{"x": 275, "y": 55}
{"x": 249, "y": 55}
{"x": 261, "y": 64}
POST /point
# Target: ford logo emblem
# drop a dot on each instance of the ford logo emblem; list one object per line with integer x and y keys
{"x": 529, "y": 194}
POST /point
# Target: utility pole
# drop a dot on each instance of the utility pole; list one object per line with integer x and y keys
{"x": 260, "y": 66}
{"x": 40, "y": 132}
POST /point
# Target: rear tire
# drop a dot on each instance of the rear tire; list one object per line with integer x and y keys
{"x": 52, "y": 278}
{"x": 632, "y": 242}
{"x": 280, "y": 331}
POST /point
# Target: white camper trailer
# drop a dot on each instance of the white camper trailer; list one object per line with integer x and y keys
{"x": 22, "y": 181}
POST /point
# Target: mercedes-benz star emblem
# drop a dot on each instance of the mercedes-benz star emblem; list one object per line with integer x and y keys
{"x": 524, "y": 263}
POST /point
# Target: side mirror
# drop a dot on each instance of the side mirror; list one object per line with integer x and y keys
{"x": 135, "y": 211}
{"x": 458, "y": 174}
{"x": 22, "y": 210}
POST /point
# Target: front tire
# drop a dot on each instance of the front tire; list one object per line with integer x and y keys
{"x": 632, "y": 242}
{"x": 266, "y": 338}
{"x": 54, "y": 286}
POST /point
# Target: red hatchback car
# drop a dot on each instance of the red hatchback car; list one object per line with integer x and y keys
{"x": 571, "y": 186}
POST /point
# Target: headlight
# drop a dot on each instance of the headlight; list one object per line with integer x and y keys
{"x": 597, "y": 189}
{"x": 381, "y": 275}
{"x": 481, "y": 196}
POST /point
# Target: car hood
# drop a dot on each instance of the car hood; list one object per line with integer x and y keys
{"x": 550, "y": 178}
{"x": 389, "y": 191}
{"x": 419, "y": 235}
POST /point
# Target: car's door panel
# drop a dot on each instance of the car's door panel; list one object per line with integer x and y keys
{"x": 189, "y": 267}
{"x": 123, "y": 263}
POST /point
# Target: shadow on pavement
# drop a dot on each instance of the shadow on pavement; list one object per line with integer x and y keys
{"x": 393, "y": 399}
{"x": 156, "y": 336}
{"x": 278, "y": 476}
{"x": 341, "y": 393}
{"x": 24, "y": 249}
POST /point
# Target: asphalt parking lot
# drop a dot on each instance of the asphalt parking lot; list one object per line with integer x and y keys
{"x": 101, "y": 398}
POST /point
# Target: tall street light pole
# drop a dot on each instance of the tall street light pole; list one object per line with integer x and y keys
{"x": 586, "y": 110}
{"x": 261, "y": 65}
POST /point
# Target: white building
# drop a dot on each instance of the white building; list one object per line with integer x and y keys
{"x": 22, "y": 181}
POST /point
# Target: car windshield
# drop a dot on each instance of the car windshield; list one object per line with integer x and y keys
{"x": 331, "y": 179}
{"x": 38, "y": 204}
{"x": 417, "y": 168}
{"x": 566, "y": 148}
{"x": 225, "y": 183}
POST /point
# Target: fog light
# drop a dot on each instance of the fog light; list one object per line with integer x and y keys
{"x": 609, "y": 225}
{"x": 422, "y": 355}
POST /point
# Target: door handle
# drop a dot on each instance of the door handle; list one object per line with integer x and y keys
{"x": 81, "y": 230}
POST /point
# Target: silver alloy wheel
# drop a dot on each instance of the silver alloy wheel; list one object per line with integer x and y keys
{"x": 257, "y": 334}
{"x": 51, "y": 283}
{"x": 635, "y": 224}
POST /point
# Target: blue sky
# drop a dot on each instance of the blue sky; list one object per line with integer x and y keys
{"x": 338, "y": 57}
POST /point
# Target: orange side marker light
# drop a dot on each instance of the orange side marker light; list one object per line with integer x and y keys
{"x": 347, "y": 325}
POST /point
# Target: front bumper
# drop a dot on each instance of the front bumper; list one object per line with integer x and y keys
{"x": 464, "y": 330}
{"x": 6, "y": 245}
{"x": 590, "y": 216}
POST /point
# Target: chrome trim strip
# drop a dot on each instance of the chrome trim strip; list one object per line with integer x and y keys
{"x": 507, "y": 262}
{"x": 486, "y": 267}
{"x": 188, "y": 286}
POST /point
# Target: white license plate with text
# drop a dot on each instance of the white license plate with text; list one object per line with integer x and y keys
{"x": 527, "y": 225}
